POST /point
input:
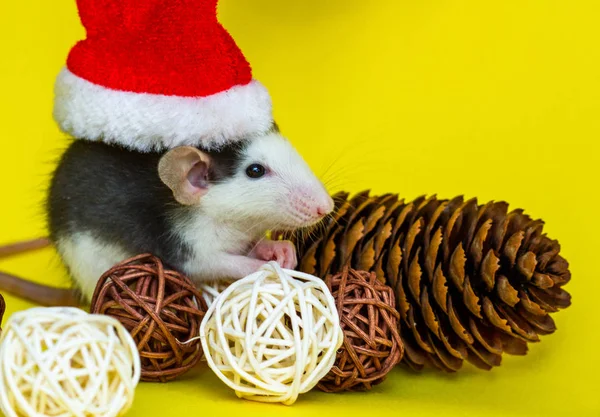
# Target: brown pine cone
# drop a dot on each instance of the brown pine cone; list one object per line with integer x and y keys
{"x": 471, "y": 281}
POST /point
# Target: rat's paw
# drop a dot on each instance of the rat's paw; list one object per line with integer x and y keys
{"x": 281, "y": 251}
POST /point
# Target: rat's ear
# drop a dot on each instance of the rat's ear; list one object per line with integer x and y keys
{"x": 185, "y": 171}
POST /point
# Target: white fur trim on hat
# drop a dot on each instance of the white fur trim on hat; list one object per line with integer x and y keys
{"x": 147, "y": 122}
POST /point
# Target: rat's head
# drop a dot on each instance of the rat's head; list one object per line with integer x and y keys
{"x": 261, "y": 183}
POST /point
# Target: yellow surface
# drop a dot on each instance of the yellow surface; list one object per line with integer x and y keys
{"x": 498, "y": 100}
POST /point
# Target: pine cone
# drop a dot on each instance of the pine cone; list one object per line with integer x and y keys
{"x": 471, "y": 281}
{"x": 2, "y": 309}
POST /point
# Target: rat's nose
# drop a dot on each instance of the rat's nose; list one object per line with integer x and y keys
{"x": 325, "y": 207}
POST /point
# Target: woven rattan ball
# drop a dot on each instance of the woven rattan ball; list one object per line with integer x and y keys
{"x": 272, "y": 335}
{"x": 62, "y": 361}
{"x": 212, "y": 289}
{"x": 161, "y": 309}
{"x": 372, "y": 344}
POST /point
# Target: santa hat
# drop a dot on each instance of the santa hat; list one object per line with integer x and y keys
{"x": 156, "y": 74}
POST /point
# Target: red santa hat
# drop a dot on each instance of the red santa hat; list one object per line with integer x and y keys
{"x": 156, "y": 74}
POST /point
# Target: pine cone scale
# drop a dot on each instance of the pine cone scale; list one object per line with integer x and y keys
{"x": 445, "y": 359}
{"x": 440, "y": 290}
{"x": 506, "y": 292}
{"x": 489, "y": 267}
{"x": 459, "y": 329}
{"x": 456, "y": 268}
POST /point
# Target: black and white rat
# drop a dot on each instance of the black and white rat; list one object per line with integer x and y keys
{"x": 204, "y": 213}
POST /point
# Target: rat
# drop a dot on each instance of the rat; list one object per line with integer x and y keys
{"x": 203, "y": 212}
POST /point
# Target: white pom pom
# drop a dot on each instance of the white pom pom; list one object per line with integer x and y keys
{"x": 272, "y": 335}
{"x": 65, "y": 362}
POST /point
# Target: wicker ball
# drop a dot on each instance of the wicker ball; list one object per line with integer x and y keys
{"x": 272, "y": 335}
{"x": 62, "y": 361}
{"x": 161, "y": 309}
{"x": 372, "y": 344}
{"x": 212, "y": 289}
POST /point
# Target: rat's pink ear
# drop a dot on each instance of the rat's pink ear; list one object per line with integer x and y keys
{"x": 185, "y": 171}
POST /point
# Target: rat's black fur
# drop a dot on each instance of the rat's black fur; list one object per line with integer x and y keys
{"x": 116, "y": 195}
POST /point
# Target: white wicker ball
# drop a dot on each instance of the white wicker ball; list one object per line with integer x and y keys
{"x": 212, "y": 289}
{"x": 272, "y": 335}
{"x": 62, "y": 361}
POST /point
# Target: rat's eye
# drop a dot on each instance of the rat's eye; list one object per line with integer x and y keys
{"x": 255, "y": 171}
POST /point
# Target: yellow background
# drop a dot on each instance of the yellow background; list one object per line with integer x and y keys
{"x": 497, "y": 100}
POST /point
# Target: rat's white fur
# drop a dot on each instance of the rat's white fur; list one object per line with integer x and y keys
{"x": 231, "y": 218}
{"x": 88, "y": 258}
{"x": 283, "y": 197}
{"x": 146, "y": 122}
{"x": 235, "y": 214}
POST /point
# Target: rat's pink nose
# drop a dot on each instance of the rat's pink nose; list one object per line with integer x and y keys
{"x": 325, "y": 207}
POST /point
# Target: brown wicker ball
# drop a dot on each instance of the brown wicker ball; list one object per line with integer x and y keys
{"x": 372, "y": 344}
{"x": 161, "y": 309}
